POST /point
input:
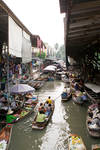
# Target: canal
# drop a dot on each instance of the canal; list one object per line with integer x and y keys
{"x": 67, "y": 118}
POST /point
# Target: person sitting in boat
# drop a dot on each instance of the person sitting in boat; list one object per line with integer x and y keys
{"x": 46, "y": 104}
{"x": 41, "y": 105}
{"x": 42, "y": 108}
{"x": 94, "y": 123}
{"x": 41, "y": 117}
{"x": 49, "y": 100}
{"x": 10, "y": 118}
{"x": 13, "y": 105}
{"x": 76, "y": 86}
{"x": 68, "y": 90}
{"x": 48, "y": 110}
{"x": 65, "y": 90}
{"x": 84, "y": 97}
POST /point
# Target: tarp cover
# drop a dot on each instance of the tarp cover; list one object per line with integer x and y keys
{"x": 15, "y": 38}
{"x": 26, "y": 48}
{"x": 95, "y": 88}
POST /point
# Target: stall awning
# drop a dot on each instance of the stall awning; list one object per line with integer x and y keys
{"x": 15, "y": 38}
{"x": 26, "y": 48}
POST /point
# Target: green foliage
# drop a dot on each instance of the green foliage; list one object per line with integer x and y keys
{"x": 41, "y": 55}
{"x": 56, "y": 46}
{"x": 61, "y": 52}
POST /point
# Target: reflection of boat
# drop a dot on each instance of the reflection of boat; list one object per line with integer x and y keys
{"x": 41, "y": 126}
{"x": 96, "y": 147}
{"x": 65, "y": 97}
{"x": 5, "y": 136}
{"x": 75, "y": 142}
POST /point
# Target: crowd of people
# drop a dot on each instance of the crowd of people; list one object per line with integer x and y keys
{"x": 44, "y": 110}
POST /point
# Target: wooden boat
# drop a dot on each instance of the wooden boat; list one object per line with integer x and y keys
{"x": 77, "y": 101}
{"x": 96, "y": 147}
{"x": 75, "y": 142}
{"x": 38, "y": 85}
{"x": 92, "y": 127}
{"x": 65, "y": 97}
{"x": 79, "y": 97}
{"x": 41, "y": 126}
{"x": 94, "y": 132}
{"x": 20, "y": 114}
{"x": 5, "y": 137}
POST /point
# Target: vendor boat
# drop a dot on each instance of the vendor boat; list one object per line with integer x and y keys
{"x": 75, "y": 142}
{"x": 91, "y": 121}
{"x": 5, "y": 137}
{"x": 20, "y": 114}
{"x": 41, "y": 126}
{"x": 79, "y": 97}
{"x": 77, "y": 100}
{"x": 96, "y": 147}
{"x": 65, "y": 97}
{"x": 93, "y": 130}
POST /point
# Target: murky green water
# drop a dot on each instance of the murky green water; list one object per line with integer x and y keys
{"x": 67, "y": 118}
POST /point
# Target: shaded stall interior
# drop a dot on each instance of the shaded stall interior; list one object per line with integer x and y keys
{"x": 82, "y": 40}
{"x": 82, "y": 35}
{"x": 3, "y": 28}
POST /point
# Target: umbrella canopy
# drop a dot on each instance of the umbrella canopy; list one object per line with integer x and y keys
{"x": 21, "y": 88}
{"x": 50, "y": 68}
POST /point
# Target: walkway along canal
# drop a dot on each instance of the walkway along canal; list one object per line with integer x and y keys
{"x": 67, "y": 118}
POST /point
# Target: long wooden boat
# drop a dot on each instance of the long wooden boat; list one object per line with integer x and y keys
{"x": 41, "y": 126}
{"x": 65, "y": 97}
{"x": 5, "y": 137}
{"x": 75, "y": 142}
{"x": 96, "y": 147}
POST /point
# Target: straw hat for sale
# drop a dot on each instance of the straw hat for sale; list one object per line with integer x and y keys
{"x": 9, "y": 111}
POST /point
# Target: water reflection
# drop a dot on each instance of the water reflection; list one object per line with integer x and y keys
{"x": 68, "y": 117}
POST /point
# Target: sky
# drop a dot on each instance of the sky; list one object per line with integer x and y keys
{"x": 41, "y": 17}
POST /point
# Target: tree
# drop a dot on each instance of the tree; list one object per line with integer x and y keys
{"x": 61, "y": 52}
{"x": 42, "y": 55}
{"x": 56, "y": 46}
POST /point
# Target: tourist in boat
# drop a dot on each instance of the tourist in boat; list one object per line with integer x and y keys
{"x": 49, "y": 100}
{"x": 41, "y": 117}
{"x": 41, "y": 105}
{"x": 48, "y": 110}
{"x": 46, "y": 104}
